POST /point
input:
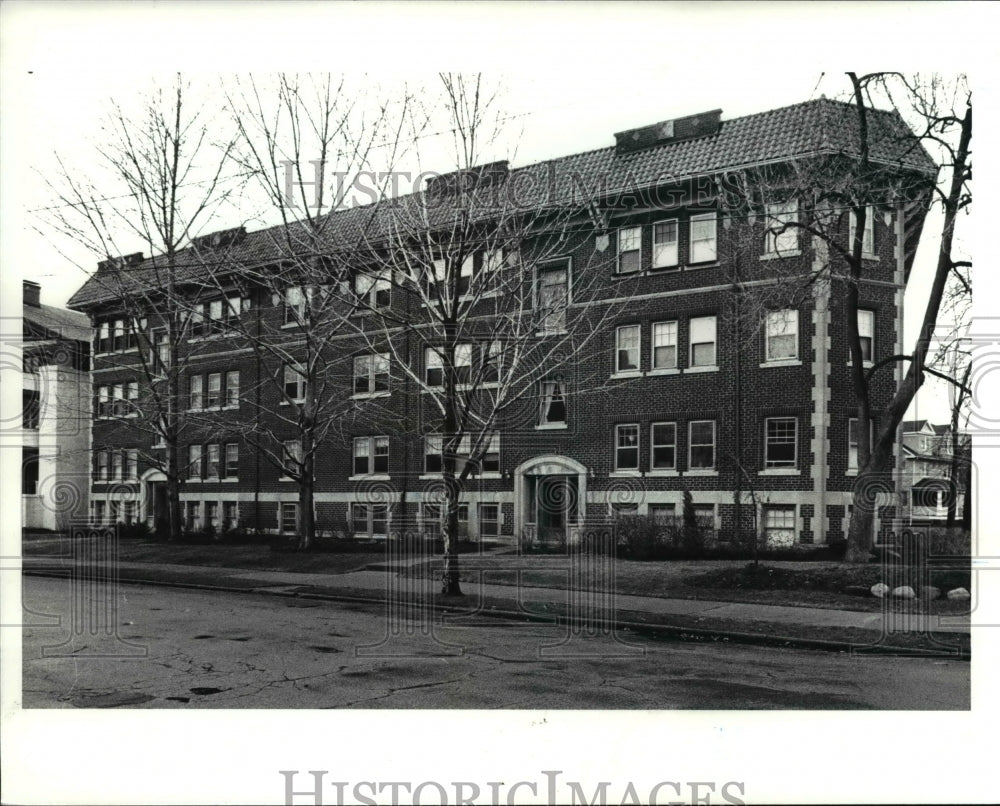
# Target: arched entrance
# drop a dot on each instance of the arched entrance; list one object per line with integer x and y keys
{"x": 550, "y": 495}
{"x": 153, "y": 497}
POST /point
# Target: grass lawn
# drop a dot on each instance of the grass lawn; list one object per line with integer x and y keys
{"x": 802, "y": 584}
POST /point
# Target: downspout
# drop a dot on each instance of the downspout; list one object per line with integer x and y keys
{"x": 256, "y": 480}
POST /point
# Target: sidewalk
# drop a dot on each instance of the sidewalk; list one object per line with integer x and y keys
{"x": 757, "y": 623}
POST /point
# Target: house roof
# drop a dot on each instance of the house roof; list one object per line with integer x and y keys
{"x": 47, "y": 322}
{"x": 806, "y": 129}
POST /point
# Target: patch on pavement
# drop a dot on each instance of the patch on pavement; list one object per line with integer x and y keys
{"x": 109, "y": 699}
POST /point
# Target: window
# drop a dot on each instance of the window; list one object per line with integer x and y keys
{"x": 118, "y": 333}
{"x": 194, "y": 462}
{"x": 212, "y": 461}
{"x": 234, "y": 307}
{"x": 104, "y": 401}
{"x": 196, "y": 398}
{"x": 128, "y": 511}
{"x": 779, "y": 441}
{"x": 213, "y": 398}
{"x": 489, "y": 520}
{"x": 663, "y": 514}
{"x": 868, "y": 238}
{"x": 371, "y": 455}
{"x": 117, "y": 465}
{"x": 463, "y": 363}
{"x": 627, "y": 447}
{"x": 212, "y": 515}
{"x": 665, "y": 345}
{"x": 372, "y": 290}
{"x": 701, "y": 445}
{"x": 433, "y": 453}
{"x": 466, "y": 275}
{"x": 704, "y": 515}
{"x": 430, "y": 518}
{"x": 30, "y": 406}
{"x": 553, "y": 403}
{"x": 214, "y": 323}
{"x": 371, "y": 374}
{"x": 627, "y": 341}
{"x": 665, "y": 244}
{"x": 629, "y": 250}
{"x": 490, "y": 463}
{"x": 118, "y": 400}
{"x": 230, "y": 515}
{"x": 663, "y": 439}
{"x": 99, "y": 512}
{"x": 232, "y": 469}
{"x": 703, "y": 341}
{"x": 104, "y": 338}
{"x": 294, "y": 305}
{"x": 492, "y": 362}
{"x": 289, "y": 517}
{"x": 782, "y": 335}
{"x": 782, "y": 236}
{"x": 434, "y": 367}
{"x": 232, "y": 389}
{"x": 103, "y": 460}
{"x": 132, "y": 397}
{"x": 619, "y": 511}
{"x": 852, "y": 443}
{"x": 192, "y": 515}
{"x": 866, "y": 333}
{"x": 553, "y": 298}
{"x": 703, "y": 242}
{"x": 370, "y": 520}
{"x": 779, "y": 525}
{"x": 132, "y": 464}
{"x": 292, "y": 454}
{"x": 161, "y": 357}
{"x": 294, "y": 383}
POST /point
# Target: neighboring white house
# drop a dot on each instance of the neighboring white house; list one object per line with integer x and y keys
{"x": 55, "y": 424}
{"x": 927, "y": 461}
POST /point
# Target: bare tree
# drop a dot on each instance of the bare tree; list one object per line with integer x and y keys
{"x": 160, "y": 178}
{"x": 823, "y": 197}
{"x": 466, "y": 299}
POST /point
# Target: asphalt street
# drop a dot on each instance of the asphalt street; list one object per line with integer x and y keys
{"x": 159, "y": 647}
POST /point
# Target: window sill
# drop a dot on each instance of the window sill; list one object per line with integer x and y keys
{"x": 192, "y": 481}
{"x": 701, "y": 472}
{"x": 664, "y": 371}
{"x": 230, "y": 480}
{"x": 621, "y": 376}
{"x": 851, "y": 471}
{"x": 369, "y": 395}
{"x": 298, "y": 401}
{"x": 291, "y": 326}
{"x": 625, "y": 474}
{"x": 780, "y": 471}
{"x": 285, "y": 478}
{"x": 782, "y": 362}
{"x": 663, "y": 474}
{"x": 542, "y": 333}
{"x": 864, "y": 364}
{"x": 370, "y": 477}
{"x": 551, "y": 427}
{"x": 696, "y": 370}
{"x": 782, "y": 254}
{"x": 707, "y": 264}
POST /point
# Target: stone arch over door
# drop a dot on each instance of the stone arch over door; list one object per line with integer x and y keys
{"x": 553, "y": 477}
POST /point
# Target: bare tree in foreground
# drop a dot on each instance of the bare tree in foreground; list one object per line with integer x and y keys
{"x": 160, "y": 178}
{"x": 816, "y": 197}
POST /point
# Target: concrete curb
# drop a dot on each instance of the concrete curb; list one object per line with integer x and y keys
{"x": 672, "y": 631}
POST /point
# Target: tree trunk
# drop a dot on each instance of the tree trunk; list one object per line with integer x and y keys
{"x": 450, "y": 582}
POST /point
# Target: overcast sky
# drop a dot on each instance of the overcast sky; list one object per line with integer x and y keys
{"x": 577, "y": 73}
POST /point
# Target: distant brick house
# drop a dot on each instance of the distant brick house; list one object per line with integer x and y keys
{"x": 927, "y": 469}
{"x": 55, "y": 421}
{"x": 702, "y": 400}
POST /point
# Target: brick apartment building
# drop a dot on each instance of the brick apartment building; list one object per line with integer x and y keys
{"x": 703, "y": 386}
